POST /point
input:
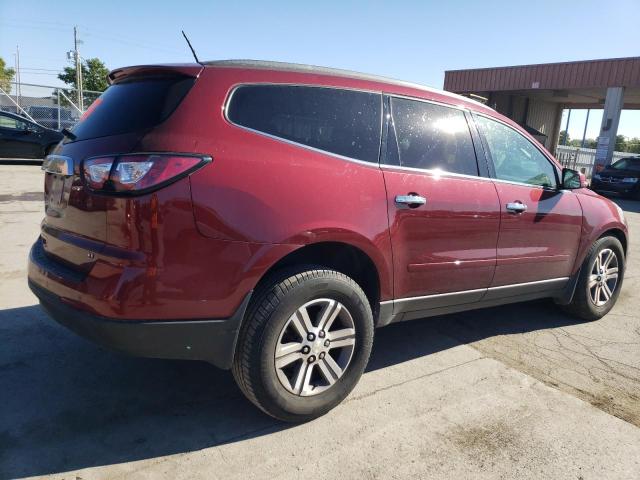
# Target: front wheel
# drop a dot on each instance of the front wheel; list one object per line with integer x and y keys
{"x": 600, "y": 280}
{"x": 304, "y": 343}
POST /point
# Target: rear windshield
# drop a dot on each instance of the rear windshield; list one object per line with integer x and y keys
{"x": 132, "y": 106}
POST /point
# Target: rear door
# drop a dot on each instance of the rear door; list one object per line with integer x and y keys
{"x": 443, "y": 215}
{"x": 540, "y": 223}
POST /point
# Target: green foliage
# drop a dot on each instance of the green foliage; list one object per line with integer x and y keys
{"x": 588, "y": 143}
{"x": 564, "y": 138}
{"x": 624, "y": 144}
{"x": 94, "y": 75}
{"x": 6, "y": 76}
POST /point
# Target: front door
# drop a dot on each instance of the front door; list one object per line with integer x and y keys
{"x": 444, "y": 217}
{"x": 540, "y": 223}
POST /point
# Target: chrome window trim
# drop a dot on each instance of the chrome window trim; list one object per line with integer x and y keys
{"x": 477, "y": 290}
{"x": 530, "y": 185}
{"x": 313, "y": 149}
{"x": 543, "y": 152}
{"x": 426, "y": 100}
{"x": 225, "y": 110}
{"x": 432, "y": 172}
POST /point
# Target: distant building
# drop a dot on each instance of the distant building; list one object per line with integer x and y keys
{"x": 535, "y": 95}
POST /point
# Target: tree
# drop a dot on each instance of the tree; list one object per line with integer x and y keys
{"x": 564, "y": 138}
{"x": 94, "y": 75}
{"x": 633, "y": 145}
{"x": 621, "y": 143}
{"x": 6, "y": 76}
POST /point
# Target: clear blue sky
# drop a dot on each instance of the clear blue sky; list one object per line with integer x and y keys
{"x": 409, "y": 40}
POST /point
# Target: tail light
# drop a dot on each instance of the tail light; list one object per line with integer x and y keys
{"x": 138, "y": 173}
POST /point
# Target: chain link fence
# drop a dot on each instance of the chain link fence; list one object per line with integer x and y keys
{"x": 583, "y": 159}
{"x": 51, "y": 107}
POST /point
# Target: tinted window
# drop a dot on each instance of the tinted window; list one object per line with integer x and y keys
{"x": 12, "y": 123}
{"x": 627, "y": 164}
{"x": 433, "y": 137}
{"x": 514, "y": 157}
{"x": 132, "y": 106}
{"x": 343, "y": 122}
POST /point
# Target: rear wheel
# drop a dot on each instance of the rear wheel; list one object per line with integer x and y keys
{"x": 304, "y": 343}
{"x": 600, "y": 280}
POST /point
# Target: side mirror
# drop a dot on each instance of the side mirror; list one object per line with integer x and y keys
{"x": 572, "y": 179}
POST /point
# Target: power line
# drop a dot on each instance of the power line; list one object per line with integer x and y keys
{"x": 41, "y": 69}
{"x": 34, "y": 27}
{"x": 41, "y": 73}
{"x": 132, "y": 43}
{"x": 92, "y": 32}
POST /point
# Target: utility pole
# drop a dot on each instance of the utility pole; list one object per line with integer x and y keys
{"x": 18, "y": 86}
{"x": 78, "y": 68}
{"x": 586, "y": 123}
{"x": 566, "y": 128}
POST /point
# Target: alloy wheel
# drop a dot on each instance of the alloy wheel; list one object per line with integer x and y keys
{"x": 603, "y": 279}
{"x": 315, "y": 347}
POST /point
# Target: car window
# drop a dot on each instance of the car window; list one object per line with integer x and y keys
{"x": 132, "y": 106}
{"x": 627, "y": 164}
{"x": 514, "y": 157}
{"x": 12, "y": 123}
{"x": 432, "y": 137}
{"x": 343, "y": 122}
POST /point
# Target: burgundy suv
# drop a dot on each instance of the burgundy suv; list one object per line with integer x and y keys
{"x": 267, "y": 217}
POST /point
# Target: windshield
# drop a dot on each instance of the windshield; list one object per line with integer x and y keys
{"x": 627, "y": 164}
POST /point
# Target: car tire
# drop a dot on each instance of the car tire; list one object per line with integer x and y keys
{"x": 275, "y": 321}
{"x": 583, "y": 304}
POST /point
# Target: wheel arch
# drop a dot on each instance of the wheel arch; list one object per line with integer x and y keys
{"x": 619, "y": 234}
{"x": 343, "y": 257}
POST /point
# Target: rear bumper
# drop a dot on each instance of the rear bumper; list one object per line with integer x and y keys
{"x": 213, "y": 341}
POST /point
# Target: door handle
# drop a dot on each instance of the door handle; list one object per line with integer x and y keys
{"x": 516, "y": 207}
{"x": 412, "y": 200}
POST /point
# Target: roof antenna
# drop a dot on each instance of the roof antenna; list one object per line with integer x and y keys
{"x": 192, "y": 50}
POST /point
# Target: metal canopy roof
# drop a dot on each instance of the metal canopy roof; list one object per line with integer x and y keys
{"x": 615, "y": 72}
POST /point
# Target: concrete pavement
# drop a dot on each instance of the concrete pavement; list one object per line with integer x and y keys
{"x": 517, "y": 391}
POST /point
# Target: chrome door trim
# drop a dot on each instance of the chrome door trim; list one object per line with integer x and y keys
{"x": 439, "y": 300}
{"x": 516, "y": 207}
{"x": 410, "y": 200}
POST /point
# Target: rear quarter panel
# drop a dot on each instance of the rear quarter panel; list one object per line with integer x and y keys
{"x": 260, "y": 190}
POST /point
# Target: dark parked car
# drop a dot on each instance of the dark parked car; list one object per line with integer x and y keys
{"x": 267, "y": 217}
{"x": 622, "y": 178}
{"x": 22, "y": 138}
